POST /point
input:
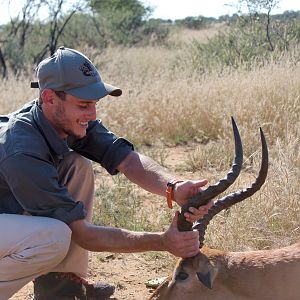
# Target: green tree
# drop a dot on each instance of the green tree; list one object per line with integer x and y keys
{"x": 120, "y": 21}
{"x": 199, "y": 22}
{"x": 82, "y": 30}
{"x": 27, "y": 39}
{"x": 250, "y": 40}
{"x": 261, "y": 10}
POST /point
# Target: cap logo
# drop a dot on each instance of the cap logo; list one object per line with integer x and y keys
{"x": 87, "y": 69}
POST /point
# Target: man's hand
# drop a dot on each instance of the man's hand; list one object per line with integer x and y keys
{"x": 182, "y": 244}
{"x": 186, "y": 189}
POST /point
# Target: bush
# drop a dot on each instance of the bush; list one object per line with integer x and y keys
{"x": 245, "y": 44}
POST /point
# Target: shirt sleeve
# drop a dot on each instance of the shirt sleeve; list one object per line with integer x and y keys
{"x": 102, "y": 146}
{"x": 35, "y": 185}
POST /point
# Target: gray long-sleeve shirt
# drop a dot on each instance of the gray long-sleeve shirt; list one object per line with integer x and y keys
{"x": 30, "y": 150}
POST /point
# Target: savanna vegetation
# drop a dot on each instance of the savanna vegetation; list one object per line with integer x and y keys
{"x": 182, "y": 81}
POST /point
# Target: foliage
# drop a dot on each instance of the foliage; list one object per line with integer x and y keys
{"x": 255, "y": 38}
{"x": 94, "y": 24}
{"x": 257, "y": 6}
{"x": 82, "y": 30}
{"x": 125, "y": 22}
{"x": 119, "y": 204}
{"x": 245, "y": 44}
{"x": 194, "y": 22}
{"x": 120, "y": 20}
{"x": 155, "y": 32}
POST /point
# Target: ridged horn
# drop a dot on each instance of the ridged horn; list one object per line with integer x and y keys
{"x": 212, "y": 191}
{"x": 239, "y": 196}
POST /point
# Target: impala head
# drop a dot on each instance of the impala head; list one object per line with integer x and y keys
{"x": 191, "y": 277}
{"x": 199, "y": 272}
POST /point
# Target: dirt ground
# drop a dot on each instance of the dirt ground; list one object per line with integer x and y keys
{"x": 128, "y": 272}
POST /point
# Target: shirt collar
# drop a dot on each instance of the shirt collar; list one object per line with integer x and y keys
{"x": 57, "y": 144}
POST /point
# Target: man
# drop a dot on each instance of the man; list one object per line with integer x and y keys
{"x": 47, "y": 184}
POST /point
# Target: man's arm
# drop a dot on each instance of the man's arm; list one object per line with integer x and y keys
{"x": 152, "y": 177}
{"x": 145, "y": 172}
{"x": 98, "y": 238}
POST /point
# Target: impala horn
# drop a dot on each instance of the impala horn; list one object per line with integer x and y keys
{"x": 239, "y": 196}
{"x": 212, "y": 191}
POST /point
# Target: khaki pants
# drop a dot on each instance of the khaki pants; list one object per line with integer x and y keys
{"x": 31, "y": 246}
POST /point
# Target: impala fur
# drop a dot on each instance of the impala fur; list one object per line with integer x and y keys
{"x": 218, "y": 275}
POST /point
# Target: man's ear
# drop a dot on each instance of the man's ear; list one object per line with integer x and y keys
{"x": 48, "y": 96}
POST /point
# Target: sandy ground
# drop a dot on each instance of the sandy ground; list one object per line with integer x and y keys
{"x": 128, "y": 272}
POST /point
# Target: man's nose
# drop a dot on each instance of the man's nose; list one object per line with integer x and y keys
{"x": 92, "y": 114}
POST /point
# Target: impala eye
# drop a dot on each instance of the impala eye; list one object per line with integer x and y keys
{"x": 181, "y": 276}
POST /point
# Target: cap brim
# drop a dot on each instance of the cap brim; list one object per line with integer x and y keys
{"x": 93, "y": 91}
{"x": 112, "y": 90}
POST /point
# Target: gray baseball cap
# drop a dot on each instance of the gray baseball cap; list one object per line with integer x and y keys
{"x": 70, "y": 71}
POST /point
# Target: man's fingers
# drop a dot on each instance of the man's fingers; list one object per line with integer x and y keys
{"x": 208, "y": 205}
{"x": 194, "y": 214}
{"x": 202, "y": 209}
{"x": 175, "y": 220}
{"x": 191, "y": 248}
{"x": 201, "y": 183}
{"x": 198, "y": 213}
{"x": 195, "y": 211}
{"x": 190, "y": 253}
{"x": 190, "y": 235}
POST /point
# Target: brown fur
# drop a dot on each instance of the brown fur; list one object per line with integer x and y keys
{"x": 252, "y": 275}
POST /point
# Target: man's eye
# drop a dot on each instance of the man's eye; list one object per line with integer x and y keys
{"x": 82, "y": 106}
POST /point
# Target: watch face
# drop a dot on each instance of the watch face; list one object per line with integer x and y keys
{"x": 172, "y": 183}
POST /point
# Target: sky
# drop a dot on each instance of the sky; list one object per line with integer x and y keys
{"x": 179, "y": 9}
{"x": 170, "y": 9}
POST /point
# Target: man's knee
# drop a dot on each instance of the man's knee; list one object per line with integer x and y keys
{"x": 31, "y": 233}
{"x": 48, "y": 245}
{"x": 44, "y": 244}
{"x": 56, "y": 242}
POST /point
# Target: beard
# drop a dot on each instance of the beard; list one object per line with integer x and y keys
{"x": 63, "y": 125}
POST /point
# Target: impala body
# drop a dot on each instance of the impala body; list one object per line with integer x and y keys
{"x": 253, "y": 275}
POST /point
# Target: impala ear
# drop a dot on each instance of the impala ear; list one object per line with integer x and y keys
{"x": 208, "y": 275}
{"x": 205, "y": 278}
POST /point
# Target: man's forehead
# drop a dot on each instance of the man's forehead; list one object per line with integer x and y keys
{"x": 80, "y": 101}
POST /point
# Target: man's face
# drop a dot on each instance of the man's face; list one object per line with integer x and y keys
{"x": 70, "y": 116}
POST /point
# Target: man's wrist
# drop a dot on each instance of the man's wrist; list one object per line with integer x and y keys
{"x": 170, "y": 195}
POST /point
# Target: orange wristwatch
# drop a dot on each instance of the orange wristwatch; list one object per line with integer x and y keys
{"x": 170, "y": 191}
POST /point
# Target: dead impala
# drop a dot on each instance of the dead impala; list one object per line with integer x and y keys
{"x": 218, "y": 275}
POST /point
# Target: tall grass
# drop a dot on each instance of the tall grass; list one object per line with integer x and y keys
{"x": 166, "y": 105}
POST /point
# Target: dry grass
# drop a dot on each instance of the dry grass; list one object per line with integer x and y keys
{"x": 163, "y": 105}
{"x": 14, "y": 93}
{"x": 181, "y": 36}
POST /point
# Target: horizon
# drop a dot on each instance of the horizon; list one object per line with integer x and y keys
{"x": 161, "y": 8}
{"x": 212, "y": 8}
